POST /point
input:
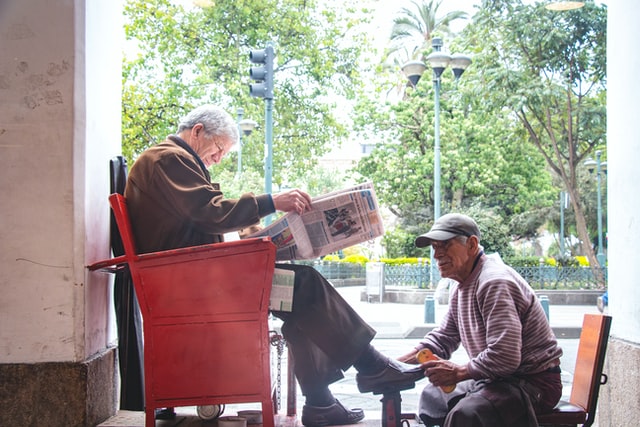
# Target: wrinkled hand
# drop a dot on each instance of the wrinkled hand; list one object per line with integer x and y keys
{"x": 292, "y": 200}
{"x": 444, "y": 372}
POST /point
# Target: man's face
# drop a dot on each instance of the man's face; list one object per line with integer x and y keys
{"x": 455, "y": 257}
{"x": 213, "y": 150}
{"x": 210, "y": 149}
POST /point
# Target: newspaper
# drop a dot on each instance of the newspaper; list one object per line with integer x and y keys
{"x": 336, "y": 221}
{"x": 282, "y": 290}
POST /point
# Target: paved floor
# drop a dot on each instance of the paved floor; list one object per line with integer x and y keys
{"x": 397, "y": 326}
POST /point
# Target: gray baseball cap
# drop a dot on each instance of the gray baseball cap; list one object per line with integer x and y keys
{"x": 447, "y": 227}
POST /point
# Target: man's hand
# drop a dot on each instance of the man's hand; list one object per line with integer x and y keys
{"x": 444, "y": 372}
{"x": 292, "y": 200}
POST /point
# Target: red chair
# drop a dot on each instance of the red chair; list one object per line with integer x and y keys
{"x": 205, "y": 320}
{"x": 588, "y": 376}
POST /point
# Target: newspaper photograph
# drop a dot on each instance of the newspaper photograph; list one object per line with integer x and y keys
{"x": 336, "y": 221}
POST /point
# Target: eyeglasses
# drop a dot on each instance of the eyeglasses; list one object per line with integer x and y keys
{"x": 222, "y": 149}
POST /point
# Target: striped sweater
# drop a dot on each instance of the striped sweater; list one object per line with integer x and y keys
{"x": 497, "y": 318}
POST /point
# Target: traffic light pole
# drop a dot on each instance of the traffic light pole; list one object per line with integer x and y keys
{"x": 263, "y": 88}
{"x": 268, "y": 141}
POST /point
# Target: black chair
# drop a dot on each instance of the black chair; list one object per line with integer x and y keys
{"x": 128, "y": 317}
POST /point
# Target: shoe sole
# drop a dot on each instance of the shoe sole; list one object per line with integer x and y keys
{"x": 387, "y": 388}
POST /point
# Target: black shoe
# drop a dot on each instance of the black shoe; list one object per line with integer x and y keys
{"x": 395, "y": 377}
{"x": 334, "y": 415}
{"x": 165, "y": 414}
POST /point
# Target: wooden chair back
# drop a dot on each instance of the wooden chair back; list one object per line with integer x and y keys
{"x": 587, "y": 378}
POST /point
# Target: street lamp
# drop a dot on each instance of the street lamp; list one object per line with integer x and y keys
{"x": 438, "y": 61}
{"x": 245, "y": 127}
{"x": 600, "y": 167}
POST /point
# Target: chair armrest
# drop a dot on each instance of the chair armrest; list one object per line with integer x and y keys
{"x": 112, "y": 265}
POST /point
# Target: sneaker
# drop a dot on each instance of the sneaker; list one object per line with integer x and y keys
{"x": 334, "y": 415}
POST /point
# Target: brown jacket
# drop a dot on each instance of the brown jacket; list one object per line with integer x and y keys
{"x": 172, "y": 202}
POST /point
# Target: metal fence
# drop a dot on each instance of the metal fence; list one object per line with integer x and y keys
{"x": 419, "y": 276}
{"x": 340, "y": 270}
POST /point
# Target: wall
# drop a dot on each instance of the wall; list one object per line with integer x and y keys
{"x": 620, "y": 399}
{"x": 60, "y": 73}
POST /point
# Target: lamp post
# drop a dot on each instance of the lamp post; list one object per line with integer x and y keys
{"x": 564, "y": 202}
{"x": 600, "y": 167}
{"x": 245, "y": 127}
{"x": 438, "y": 61}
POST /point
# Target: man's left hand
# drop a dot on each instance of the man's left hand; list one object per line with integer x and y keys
{"x": 292, "y": 200}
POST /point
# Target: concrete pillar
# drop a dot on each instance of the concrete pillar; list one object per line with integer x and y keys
{"x": 60, "y": 78}
{"x": 619, "y": 403}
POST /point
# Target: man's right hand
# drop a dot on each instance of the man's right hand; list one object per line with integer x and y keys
{"x": 292, "y": 200}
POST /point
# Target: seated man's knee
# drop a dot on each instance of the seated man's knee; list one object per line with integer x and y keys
{"x": 472, "y": 411}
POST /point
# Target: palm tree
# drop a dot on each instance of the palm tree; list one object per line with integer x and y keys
{"x": 412, "y": 30}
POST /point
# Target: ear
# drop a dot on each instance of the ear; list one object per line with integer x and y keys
{"x": 473, "y": 243}
{"x": 197, "y": 128}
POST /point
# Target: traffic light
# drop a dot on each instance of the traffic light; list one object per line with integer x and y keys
{"x": 263, "y": 75}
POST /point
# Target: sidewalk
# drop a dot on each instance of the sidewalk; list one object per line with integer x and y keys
{"x": 394, "y": 320}
{"x": 399, "y": 327}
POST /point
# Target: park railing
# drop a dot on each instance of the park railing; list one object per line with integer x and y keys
{"x": 419, "y": 276}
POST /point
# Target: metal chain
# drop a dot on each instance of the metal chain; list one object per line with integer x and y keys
{"x": 277, "y": 341}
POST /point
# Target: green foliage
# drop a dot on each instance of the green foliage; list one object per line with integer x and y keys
{"x": 201, "y": 55}
{"x": 414, "y": 27}
{"x": 549, "y": 70}
{"x": 398, "y": 242}
{"x": 494, "y": 231}
{"x": 484, "y": 158}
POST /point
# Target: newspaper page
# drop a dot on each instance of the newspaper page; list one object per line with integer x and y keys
{"x": 282, "y": 290}
{"x": 336, "y": 221}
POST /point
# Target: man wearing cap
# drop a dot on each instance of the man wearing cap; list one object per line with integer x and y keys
{"x": 514, "y": 359}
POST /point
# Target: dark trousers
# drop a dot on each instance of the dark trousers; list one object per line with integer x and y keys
{"x": 325, "y": 335}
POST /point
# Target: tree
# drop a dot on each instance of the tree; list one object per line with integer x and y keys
{"x": 485, "y": 161}
{"x": 201, "y": 55}
{"x": 413, "y": 28}
{"x": 548, "y": 69}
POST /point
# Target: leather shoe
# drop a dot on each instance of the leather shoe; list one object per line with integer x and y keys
{"x": 395, "y": 376}
{"x": 334, "y": 415}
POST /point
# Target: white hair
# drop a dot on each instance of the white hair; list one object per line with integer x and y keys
{"x": 216, "y": 122}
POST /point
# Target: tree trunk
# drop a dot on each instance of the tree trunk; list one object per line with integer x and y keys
{"x": 585, "y": 240}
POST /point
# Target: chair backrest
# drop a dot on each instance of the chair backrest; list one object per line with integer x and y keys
{"x": 588, "y": 375}
{"x": 118, "y": 179}
{"x": 121, "y": 213}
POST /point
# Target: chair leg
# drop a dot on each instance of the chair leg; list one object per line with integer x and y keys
{"x": 391, "y": 412}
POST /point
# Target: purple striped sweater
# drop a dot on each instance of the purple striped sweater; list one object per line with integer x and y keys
{"x": 497, "y": 318}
